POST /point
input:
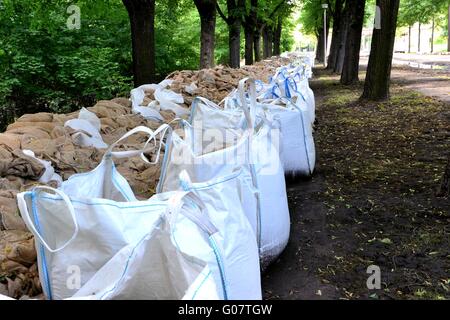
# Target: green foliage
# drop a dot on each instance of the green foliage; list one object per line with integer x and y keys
{"x": 311, "y": 16}
{"x": 423, "y": 11}
{"x": 47, "y": 67}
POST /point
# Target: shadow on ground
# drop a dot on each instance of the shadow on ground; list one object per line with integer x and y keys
{"x": 372, "y": 201}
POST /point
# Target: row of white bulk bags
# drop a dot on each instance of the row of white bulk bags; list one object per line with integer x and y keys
{"x": 293, "y": 83}
{"x": 95, "y": 240}
{"x": 248, "y": 146}
{"x": 296, "y": 141}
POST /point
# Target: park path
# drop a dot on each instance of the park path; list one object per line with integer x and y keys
{"x": 415, "y": 72}
{"x": 428, "y": 82}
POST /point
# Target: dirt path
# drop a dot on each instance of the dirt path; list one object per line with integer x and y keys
{"x": 430, "y": 83}
{"x": 434, "y": 83}
{"x": 371, "y": 201}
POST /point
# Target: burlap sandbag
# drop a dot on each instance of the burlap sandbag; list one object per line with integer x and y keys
{"x": 5, "y": 153}
{"x": 30, "y": 133}
{"x": 123, "y": 102}
{"x": 40, "y": 147}
{"x": 9, "y": 213}
{"x": 36, "y": 117}
{"x": 18, "y": 264}
{"x": 21, "y": 166}
{"x": 44, "y": 126}
{"x": 10, "y": 141}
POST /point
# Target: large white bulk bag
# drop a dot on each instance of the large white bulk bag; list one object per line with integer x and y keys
{"x": 256, "y": 154}
{"x": 297, "y": 150}
{"x": 86, "y": 236}
{"x": 296, "y": 141}
{"x": 295, "y": 88}
{"x": 100, "y": 248}
{"x": 221, "y": 198}
{"x": 207, "y": 159}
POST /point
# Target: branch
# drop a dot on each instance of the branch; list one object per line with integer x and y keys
{"x": 221, "y": 14}
{"x": 330, "y": 7}
{"x": 277, "y": 8}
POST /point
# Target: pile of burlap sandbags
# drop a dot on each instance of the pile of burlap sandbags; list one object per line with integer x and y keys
{"x": 46, "y": 135}
{"x": 216, "y": 83}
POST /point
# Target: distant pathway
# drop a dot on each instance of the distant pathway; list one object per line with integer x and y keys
{"x": 408, "y": 70}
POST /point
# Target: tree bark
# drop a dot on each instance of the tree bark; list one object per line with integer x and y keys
{"x": 409, "y": 39}
{"x": 335, "y": 37}
{"x": 257, "y": 44}
{"x": 277, "y": 37}
{"x": 339, "y": 63}
{"x": 250, "y": 22}
{"x": 350, "y": 68}
{"x": 207, "y": 11}
{"x": 248, "y": 33}
{"x": 267, "y": 42}
{"x": 234, "y": 23}
{"x": 320, "y": 44}
{"x": 234, "y": 42}
{"x": 142, "y": 21}
{"x": 378, "y": 76}
{"x": 420, "y": 38}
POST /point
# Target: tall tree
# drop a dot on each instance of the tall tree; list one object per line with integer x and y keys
{"x": 142, "y": 21}
{"x": 277, "y": 37}
{"x": 265, "y": 16}
{"x": 207, "y": 11}
{"x": 353, "y": 44}
{"x": 257, "y": 39}
{"x": 378, "y": 76}
{"x": 249, "y": 22}
{"x": 235, "y": 10}
{"x": 268, "y": 41}
{"x": 337, "y": 13}
{"x": 340, "y": 53}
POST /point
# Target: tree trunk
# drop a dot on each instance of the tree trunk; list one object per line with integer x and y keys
{"x": 257, "y": 44}
{"x": 337, "y": 32}
{"x": 345, "y": 22}
{"x": 353, "y": 45}
{"x": 250, "y": 22}
{"x": 319, "y": 46}
{"x": 420, "y": 38}
{"x": 409, "y": 39}
{"x": 378, "y": 76}
{"x": 277, "y": 37}
{"x": 234, "y": 42}
{"x": 248, "y": 32}
{"x": 207, "y": 11}
{"x": 432, "y": 36}
{"x": 267, "y": 42}
{"x": 142, "y": 21}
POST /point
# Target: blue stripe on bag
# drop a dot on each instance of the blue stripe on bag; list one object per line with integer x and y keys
{"x": 41, "y": 247}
